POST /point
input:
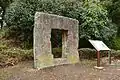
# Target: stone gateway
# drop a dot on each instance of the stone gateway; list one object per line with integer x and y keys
{"x": 44, "y": 23}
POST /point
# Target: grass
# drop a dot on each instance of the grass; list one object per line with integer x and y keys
{"x": 57, "y": 52}
{"x": 4, "y": 74}
{"x": 88, "y": 63}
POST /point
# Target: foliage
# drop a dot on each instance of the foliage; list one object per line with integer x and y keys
{"x": 95, "y": 22}
{"x": 115, "y": 54}
{"x": 57, "y": 52}
{"x": 88, "y": 53}
{"x": 20, "y": 14}
{"x": 115, "y": 11}
{"x": 107, "y": 4}
{"x": 116, "y": 44}
{"x": 10, "y": 56}
{"x": 2, "y": 33}
{"x": 115, "y": 14}
{"x": 3, "y": 5}
{"x": 113, "y": 7}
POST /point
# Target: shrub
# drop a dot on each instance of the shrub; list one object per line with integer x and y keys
{"x": 87, "y": 53}
{"x": 115, "y": 54}
{"x": 2, "y": 33}
{"x": 116, "y": 43}
{"x": 94, "y": 23}
{"x": 57, "y": 52}
{"x": 20, "y": 14}
{"x": 10, "y": 57}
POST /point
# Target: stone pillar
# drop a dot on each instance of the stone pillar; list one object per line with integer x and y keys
{"x": 64, "y": 43}
{"x": 73, "y": 56}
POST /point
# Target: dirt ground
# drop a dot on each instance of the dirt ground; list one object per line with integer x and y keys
{"x": 81, "y": 71}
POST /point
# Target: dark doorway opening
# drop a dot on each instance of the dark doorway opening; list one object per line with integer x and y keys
{"x": 56, "y": 42}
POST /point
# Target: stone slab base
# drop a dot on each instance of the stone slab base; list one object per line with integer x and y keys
{"x": 55, "y": 62}
{"x": 100, "y": 68}
{"x": 112, "y": 64}
{"x": 60, "y": 61}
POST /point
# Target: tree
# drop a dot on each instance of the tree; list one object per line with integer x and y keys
{"x": 3, "y": 5}
{"x": 95, "y": 22}
{"x": 21, "y": 14}
{"x": 115, "y": 14}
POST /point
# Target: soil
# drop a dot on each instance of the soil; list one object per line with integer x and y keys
{"x": 81, "y": 71}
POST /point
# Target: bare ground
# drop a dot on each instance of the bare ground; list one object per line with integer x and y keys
{"x": 81, "y": 71}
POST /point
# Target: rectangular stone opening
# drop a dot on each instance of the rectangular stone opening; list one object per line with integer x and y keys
{"x": 56, "y": 43}
{"x": 59, "y": 43}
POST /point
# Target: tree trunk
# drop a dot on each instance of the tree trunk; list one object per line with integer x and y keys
{"x": 2, "y": 17}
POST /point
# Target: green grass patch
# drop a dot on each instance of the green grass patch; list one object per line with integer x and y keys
{"x": 57, "y": 52}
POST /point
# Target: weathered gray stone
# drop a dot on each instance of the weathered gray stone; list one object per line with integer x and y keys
{"x": 44, "y": 23}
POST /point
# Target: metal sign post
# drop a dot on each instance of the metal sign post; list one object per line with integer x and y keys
{"x": 98, "y": 59}
{"x": 109, "y": 55}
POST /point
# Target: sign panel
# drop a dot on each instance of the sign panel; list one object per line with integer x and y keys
{"x": 99, "y": 45}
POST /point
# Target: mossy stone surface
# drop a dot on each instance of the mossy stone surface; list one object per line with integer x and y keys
{"x": 73, "y": 59}
{"x": 44, "y": 61}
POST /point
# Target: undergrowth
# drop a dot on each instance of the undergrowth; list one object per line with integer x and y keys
{"x": 10, "y": 53}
